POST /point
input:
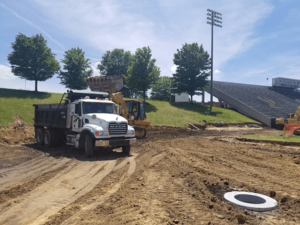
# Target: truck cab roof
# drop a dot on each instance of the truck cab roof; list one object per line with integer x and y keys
{"x": 78, "y": 94}
{"x": 95, "y": 101}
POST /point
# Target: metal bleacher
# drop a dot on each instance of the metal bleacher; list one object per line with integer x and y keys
{"x": 261, "y": 103}
{"x": 291, "y": 93}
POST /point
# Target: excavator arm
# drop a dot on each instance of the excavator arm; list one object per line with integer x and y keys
{"x": 117, "y": 98}
{"x": 297, "y": 114}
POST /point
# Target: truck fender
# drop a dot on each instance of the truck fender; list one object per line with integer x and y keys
{"x": 80, "y": 138}
{"x": 87, "y": 131}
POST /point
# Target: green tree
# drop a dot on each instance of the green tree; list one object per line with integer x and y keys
{"x": 115, "y": 62}
{"x": 31, "y": 59}
{"x": 161, "y": 90}
{"x": 191, "y": 74}
{"x": 77, "y": 69}
{"x": 143, "y": 72}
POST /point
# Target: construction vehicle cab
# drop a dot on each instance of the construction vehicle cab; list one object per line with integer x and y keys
{"x": 135, "y": 108}
{"x": 137, "y": 117}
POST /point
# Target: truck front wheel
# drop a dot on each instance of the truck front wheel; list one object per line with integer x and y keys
{"x": 89, "y": 148}
{"x": 126, "y": 149}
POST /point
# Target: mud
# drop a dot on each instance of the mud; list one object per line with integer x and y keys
{"x": 174, "y": 176}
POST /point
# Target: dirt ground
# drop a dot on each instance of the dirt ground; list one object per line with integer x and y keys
{"x": 174, "y": 176}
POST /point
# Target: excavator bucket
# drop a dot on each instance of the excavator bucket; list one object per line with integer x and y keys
{"x": 108, "y": 84}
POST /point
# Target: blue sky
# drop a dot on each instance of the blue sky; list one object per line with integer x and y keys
{"x": 260, "y": 39}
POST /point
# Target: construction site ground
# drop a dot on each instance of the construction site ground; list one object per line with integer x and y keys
{"x": 174, "y": 176}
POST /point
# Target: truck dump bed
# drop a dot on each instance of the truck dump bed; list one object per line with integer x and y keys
{"x": 49, "y": 115}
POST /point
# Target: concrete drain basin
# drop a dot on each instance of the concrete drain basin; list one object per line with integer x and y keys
{"x": 251, "y": 201}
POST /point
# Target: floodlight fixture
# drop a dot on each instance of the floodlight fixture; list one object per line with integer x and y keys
{"x": 213, "y": 21}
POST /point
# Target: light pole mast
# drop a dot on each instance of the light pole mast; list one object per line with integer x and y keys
{"x": 213, "y": 21}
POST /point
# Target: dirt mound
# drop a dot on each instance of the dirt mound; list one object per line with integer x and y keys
{"x": 17, "y": 133}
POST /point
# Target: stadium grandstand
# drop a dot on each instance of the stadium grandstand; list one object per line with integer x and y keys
{"x": 262, "y": 103}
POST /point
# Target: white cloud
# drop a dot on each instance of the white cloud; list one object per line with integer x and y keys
{"x": 163, "y": 25}
{"x": 33, "y": 25}
{"x": 217, "y": 71}
{"x": 95, "y": 70}
{"x": 173, "y": 68}
{"x": 5, "y": 73}
{"x": 260, "y": 71}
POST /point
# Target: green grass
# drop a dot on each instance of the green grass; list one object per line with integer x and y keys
{"x": 20, "y": 102}
{"x": 273, "y": 137}
{"x": 181, "y": 114}
{"x": 158, "y": 112}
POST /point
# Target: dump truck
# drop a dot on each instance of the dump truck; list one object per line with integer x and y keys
{"x": 131, "y": 109}
{"x": 292, "y": 119}
{"x": 85, "y": 120}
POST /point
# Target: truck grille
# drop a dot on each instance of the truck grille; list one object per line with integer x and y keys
{"x": 117, "y": 128}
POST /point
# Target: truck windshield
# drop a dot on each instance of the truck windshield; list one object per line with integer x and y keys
{"x": 91, "y": 107}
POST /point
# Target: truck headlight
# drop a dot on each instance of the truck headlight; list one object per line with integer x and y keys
{"x": 99, "y": 133}
{"x": 131, "y": 131}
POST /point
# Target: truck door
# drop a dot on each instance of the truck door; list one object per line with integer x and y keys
{"x": 77, "y": 120}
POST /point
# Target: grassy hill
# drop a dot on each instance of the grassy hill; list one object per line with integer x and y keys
{"x": 181, "y": 114}
{"x": 158, "y": 112}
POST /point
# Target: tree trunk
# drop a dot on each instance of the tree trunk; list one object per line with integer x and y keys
{"x": 36, "y": 86}
{"x": 144, "y": 95}
{"x": 191, "y": 99}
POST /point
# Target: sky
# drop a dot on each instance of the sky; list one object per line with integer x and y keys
{"x": 259, "y": 40}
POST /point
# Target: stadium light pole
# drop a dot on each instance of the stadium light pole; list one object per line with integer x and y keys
{"x": 214, "y": 19}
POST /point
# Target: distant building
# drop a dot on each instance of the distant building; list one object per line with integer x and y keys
{"x": 285, "y": 82}
{"x": 183, "y": 97}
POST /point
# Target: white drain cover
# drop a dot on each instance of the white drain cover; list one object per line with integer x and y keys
{"x": 251, "y": 201}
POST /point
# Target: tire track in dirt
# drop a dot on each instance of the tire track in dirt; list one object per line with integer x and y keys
{"x": 29, "y": 170}
{"x": 137, "y": 210}
{"x": 18, "y": 190}
{"x": 249, "y": 166}
{"x": 132, "y": 165}
{"x": 71, "y": 183}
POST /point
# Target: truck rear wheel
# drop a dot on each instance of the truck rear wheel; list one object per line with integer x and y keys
{"x": 49, "y": 138}
{"x": 89, "y": 148}
{"x": 126, "y": 149}
{"x": 39, "y": 135}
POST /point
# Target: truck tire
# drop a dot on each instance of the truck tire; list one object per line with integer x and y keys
{"x": 49, "y": 138}
{"x": 39, "y": 136}
{"x": 126, "y": 149}
{"x": 89, "y": 147}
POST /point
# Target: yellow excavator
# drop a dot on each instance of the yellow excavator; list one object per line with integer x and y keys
{"x": 293, "y": 119}
{"x": 133, "y": 110}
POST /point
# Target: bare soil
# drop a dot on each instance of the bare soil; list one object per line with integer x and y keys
{"x": 174, "y": 176}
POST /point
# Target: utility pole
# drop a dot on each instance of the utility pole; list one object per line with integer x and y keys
{"x": 213, "y": 21}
